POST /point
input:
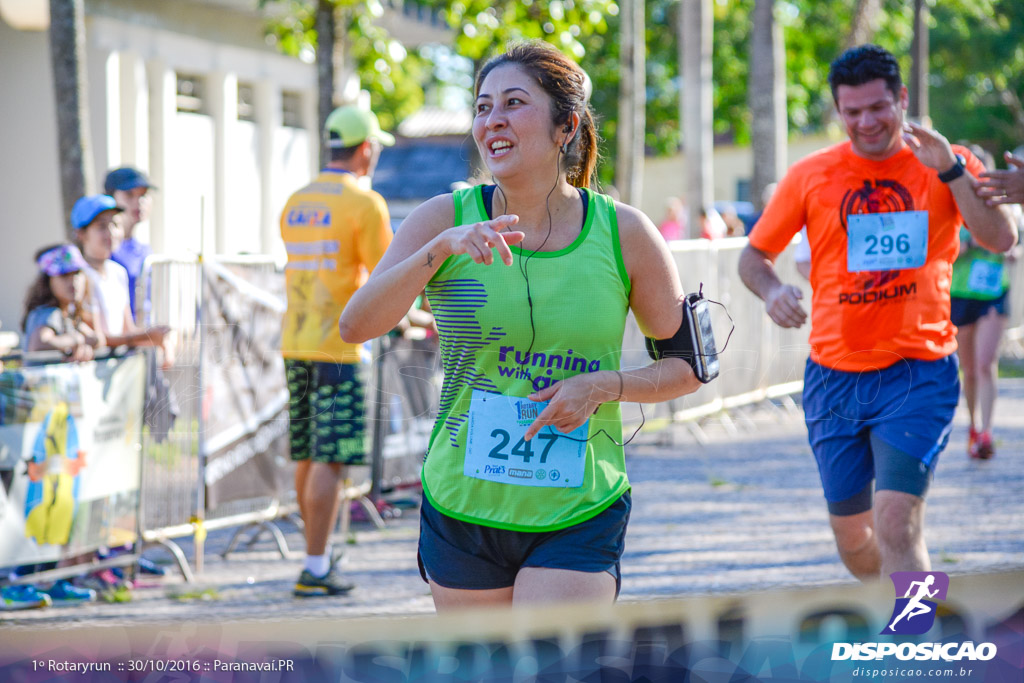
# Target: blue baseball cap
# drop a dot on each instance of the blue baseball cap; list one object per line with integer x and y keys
{"x": 125, "y": 178}
{"x": 88, "y": 207}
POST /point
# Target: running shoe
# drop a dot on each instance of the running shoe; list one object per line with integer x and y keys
{"x": 24, "y": 596}
{"x": 64, "y": 592}
{"x": 107, "y": 586}
{"x": 309, "y": 586}
{"x": 148, "y": 566}
{"x": 972, "y": 438}
{"x": 983, "y": 448}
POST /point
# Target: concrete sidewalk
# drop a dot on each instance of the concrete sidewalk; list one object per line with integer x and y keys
{"x": 742, "y": 512}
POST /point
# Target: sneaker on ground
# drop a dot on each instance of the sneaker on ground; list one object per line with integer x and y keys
{"x": 148, "y": 566}
{"x": 983, "y": 448}
{"x": 24, "y": 596}
{"x": 63, "y": 592}
{"x": 309, "y": 586}
{"x": 107, "y": 586}
{"x": 120, "y": 593}
{"x": 972, "y": 440}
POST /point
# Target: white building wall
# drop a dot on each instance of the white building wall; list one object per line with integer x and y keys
{"x": 222, "y": 182}
{"x": 244, "y": 188}
{"x": 188, "y": 188}
{"x": 30, "y": 209}
{"x": 218, "y": 191}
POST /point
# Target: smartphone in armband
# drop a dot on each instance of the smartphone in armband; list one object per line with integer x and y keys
{"x": 694, "y": 341}
{"x": 698, "y": 320}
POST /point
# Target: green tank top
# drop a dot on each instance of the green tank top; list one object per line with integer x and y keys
{"x": 979, "y": 274}
{"x": 580, "y": 299}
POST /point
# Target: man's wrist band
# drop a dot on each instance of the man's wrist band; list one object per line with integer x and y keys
{"x": 955, "y": 172}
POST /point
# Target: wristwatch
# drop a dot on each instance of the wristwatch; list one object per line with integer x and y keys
{"x": 955, "y": 172}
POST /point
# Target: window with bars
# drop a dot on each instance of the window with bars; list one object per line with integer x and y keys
{"x": 291, "y": 109}
{"x": 191, "y": 94}
{"x": 246, "y": 102}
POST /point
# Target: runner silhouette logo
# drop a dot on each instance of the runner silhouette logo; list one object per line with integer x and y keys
{"x": 916, "y": 593}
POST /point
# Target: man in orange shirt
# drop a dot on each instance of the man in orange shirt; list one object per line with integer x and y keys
{"x": 882, "y": 212}
{"x": 335, "y": 232}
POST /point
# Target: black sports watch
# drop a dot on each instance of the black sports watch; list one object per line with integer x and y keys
{"x": 955, "y": 172}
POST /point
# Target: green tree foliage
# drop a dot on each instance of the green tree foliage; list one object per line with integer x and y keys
{"x": 485, "y": 27}
{"x": 585, "y": 30}
{"x": 977, "y": 58}
{"x": 977, "y": 72}
{"x": 813, "y": 41}
{"x": 394, "y": 76}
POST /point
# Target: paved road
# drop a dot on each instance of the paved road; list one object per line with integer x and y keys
{"x": 741, "y": 512}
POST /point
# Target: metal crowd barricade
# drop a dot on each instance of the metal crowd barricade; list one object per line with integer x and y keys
{"x": 257, "y": 514}
{"x": 171, "y": 289}
{"x": 174, "y": 490}
{"x": 405, "y": 390}
{"x": 173, "y": 480}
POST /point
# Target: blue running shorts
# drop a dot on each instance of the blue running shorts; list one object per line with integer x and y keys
{"x": 457, "y": 554}
{"x": 969, "y": 311}
{"x": 908, "y": 407}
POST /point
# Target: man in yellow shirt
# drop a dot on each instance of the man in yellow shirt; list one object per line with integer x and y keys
{"x": 335, "y": 232}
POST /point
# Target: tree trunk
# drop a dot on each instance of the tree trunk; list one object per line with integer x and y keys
{"x": 325, "y": 34}
{"x": 767, "y": 93}
{"x": 918, "y": 107}
{"x": 865, "y": 22}
{"x": 67, "y": 52}
{"x": 695, "y": 31}
{"x": 629, "y": 166}
{"x": 862, "y": 30}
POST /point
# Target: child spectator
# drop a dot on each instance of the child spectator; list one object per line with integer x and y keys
{"x": 53, "y": 320}
{"x": 53, "y": 317}
{"x": 94, "y": 220}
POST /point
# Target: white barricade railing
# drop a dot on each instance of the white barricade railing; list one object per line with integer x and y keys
{"x": 1015, "y": 323}
{"x": 761, "y": 360}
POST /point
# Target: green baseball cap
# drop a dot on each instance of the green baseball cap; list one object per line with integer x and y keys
{"x": 353, "y": 126}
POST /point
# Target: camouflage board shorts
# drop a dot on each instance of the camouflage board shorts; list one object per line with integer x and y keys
{"x": 326, "y": 412}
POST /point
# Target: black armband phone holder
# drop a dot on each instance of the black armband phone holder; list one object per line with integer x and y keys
{"x": 694, "y": 341}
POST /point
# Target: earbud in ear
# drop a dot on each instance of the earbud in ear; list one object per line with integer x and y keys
{"x": 567, "y": 128}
